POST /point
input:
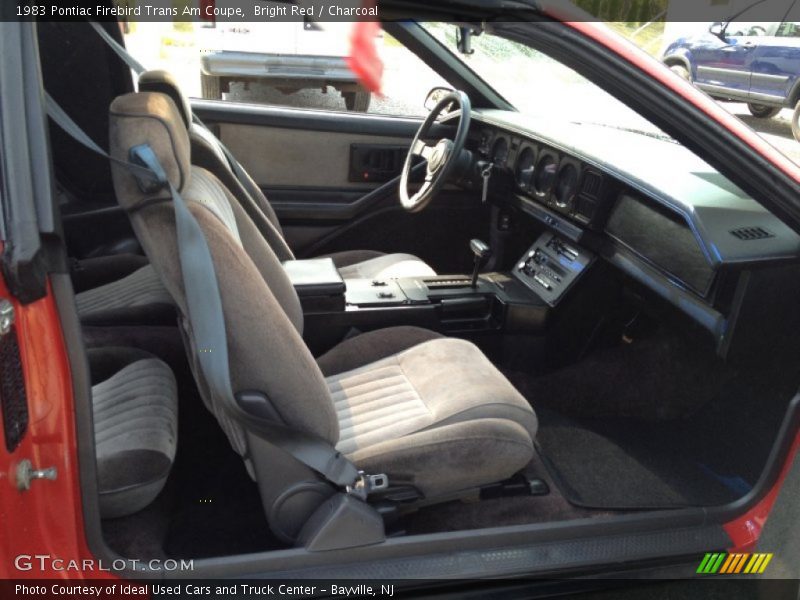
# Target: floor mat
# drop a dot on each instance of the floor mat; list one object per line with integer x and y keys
{"x": 624, "y": 464}
{"x": 659, "y": 422}
{"x": 500, "y": 512}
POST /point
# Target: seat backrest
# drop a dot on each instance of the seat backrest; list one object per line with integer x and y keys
{"x": 262, "y": 312}
{"x": 207, "y": 152}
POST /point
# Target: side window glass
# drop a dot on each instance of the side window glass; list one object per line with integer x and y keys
{"x": 789, "y": 29}
{"x": 760, "y": 18}
{"x": 791, "y": 24}
{"x": 750, "y": 29}
{"x": 297, "y": 64}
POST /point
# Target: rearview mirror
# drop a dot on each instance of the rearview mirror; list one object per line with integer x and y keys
{"x": 464, "y": 40}
{"x": 435, "y": 95}
{"x": 717, "y": 30}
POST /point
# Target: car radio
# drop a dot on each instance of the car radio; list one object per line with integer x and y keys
{"x": 551, "y": 266}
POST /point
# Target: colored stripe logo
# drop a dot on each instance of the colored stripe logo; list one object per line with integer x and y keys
{"x": 719, "y": 563}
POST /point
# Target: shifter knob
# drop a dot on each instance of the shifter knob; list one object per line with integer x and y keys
{"x": 481, "y": 251}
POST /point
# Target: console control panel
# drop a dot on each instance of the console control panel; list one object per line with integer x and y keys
{"x": 374, "y": 292}
{"x": 551, "y": 266}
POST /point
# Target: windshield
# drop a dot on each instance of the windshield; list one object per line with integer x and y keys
{"x": 536, "y": 84}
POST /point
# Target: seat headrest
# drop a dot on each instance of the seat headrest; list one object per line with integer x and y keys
{"x": 153, "y": 119}
{"x": 164, "y": 82}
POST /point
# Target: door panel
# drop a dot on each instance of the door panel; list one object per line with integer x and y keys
{"x": 301, "y": 159}
{"x": 294, "y": 157}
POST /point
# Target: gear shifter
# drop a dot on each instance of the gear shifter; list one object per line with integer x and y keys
{"x": 482, "y": 252}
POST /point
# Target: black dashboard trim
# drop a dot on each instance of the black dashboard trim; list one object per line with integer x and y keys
{"x": 549, "y": 217}
{"x": 622, "y": 202}
{"x": 671, "y": 277}
{"x": 666, "y": 287}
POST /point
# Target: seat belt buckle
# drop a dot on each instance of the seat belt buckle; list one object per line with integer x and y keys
{"x": 368, "y": 484}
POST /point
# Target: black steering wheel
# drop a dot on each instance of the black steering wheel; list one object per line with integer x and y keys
{"x": 441, "y": 157}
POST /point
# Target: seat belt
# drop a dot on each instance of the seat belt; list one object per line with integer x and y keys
{"x": 138, "y": 68}
{"x": 118, "y": 48}
{"x": 204, "y": 305}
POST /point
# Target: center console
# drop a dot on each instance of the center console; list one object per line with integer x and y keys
{"x": 551, "y": 266}
{"x": 318, "y": 284}
{"x": 519, "y": 301}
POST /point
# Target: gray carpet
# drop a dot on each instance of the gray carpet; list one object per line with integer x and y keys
{"x": 500, "y": 512}
{"x": 658, "y": 423}
{"x": 625, "y": 464}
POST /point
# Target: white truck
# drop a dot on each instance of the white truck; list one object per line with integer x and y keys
{"x": 289, "y": 56}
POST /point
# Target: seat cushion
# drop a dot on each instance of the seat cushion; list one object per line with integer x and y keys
{"x": 437, "y": 415}
{"x": 135, "y": 410}
{"x": 136, "y": 298}
{"x": 369, "y": 264}
{"x": 371, "y": 346}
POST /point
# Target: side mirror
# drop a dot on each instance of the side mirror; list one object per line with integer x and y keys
{"x": 434, "y": 96}
{"x": 717, "y": 30}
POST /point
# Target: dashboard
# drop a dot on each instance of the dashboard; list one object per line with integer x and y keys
{"x": 644, "y": 203}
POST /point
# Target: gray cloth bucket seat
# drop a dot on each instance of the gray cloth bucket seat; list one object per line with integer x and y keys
{"x": 118, "y": 300}
{"x": 430, "y": 412}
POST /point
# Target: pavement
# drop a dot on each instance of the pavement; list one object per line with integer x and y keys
{"x": 777, "y": 130}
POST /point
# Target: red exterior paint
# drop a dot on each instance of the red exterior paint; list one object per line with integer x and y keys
{"x": 745, "y": 530}
{"x": 47, "y": 519}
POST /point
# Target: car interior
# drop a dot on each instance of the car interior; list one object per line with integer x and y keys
{"x": 389, "y": 327}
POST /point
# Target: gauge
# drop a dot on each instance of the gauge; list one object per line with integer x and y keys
{"x": 525, "y": 168}
{"x": 545, "y": 174}
{"x": 566, "y": 186}
{"x": 500, "y": 151}
{"x": 484, "y": 145}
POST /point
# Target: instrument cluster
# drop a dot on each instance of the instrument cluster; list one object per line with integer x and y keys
{"x": 548, "y": 176}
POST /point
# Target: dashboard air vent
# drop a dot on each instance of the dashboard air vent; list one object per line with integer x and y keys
{"x": 751, "y": 233}
{"x": 591, "y": 185}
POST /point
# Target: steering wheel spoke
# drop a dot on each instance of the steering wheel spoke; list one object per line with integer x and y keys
{"x": 422, "y": 149}
{"x": 421, "y": 192}
{"x": 441, "y": 158}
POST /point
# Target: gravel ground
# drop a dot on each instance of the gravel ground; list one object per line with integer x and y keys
{"x": 777, "y": 131}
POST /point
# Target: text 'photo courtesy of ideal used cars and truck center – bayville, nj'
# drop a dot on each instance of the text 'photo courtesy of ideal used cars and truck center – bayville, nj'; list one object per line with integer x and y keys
{"x": 400, "y": 299}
